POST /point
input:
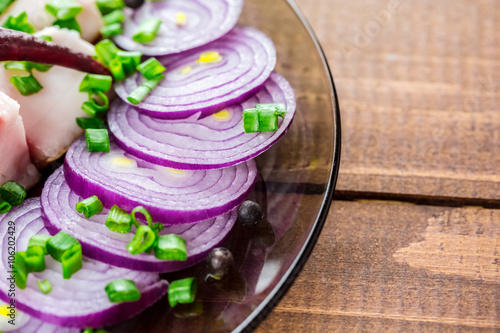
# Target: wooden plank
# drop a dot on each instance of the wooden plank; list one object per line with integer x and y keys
{"x": 419, "y": 88}
{"x": 397, "y": 267}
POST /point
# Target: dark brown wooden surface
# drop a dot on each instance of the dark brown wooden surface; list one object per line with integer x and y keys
{"x": 420, "y": 103}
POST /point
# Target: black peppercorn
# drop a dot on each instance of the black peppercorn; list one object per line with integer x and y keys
{"x": 134, "y": 3}
{"x": 220, "y": 261}
{"x": 250, "y": 213}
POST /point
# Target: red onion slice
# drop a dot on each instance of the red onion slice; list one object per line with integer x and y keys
{"x": 205, "y": 21}
{"x": 248, "y": 58}
{"x": 58, "y": 205}
{"x": 25, "y": 323}
{"x": 171, "y": 196}
{"x": 80, "y": 301}
{"x": 213, "y": 142}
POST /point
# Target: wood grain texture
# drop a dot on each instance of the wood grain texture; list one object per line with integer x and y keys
{"x": 397, "y": 267}
{"x": 419, "y": 89}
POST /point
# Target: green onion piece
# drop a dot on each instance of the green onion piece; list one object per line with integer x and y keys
{"x": 96, "y": 82}
{"x": 60, "y": 243}
{"x": 151, "y": 68}
{"x": 116, "y": 68}
{"x": 45, "y": 286}
{"x": 39, "y": 67}
{"x": 70, "y": 24}
{"x": 115, "y": 16}
{"x": 5, "y": 207}
{"x": 46, "y": 38}
{"x": 182, "y": 291}
{"x": 71, "y": 260}
{"x": 39, "y": 240}
{"x": 35, "y": 258}
{"x": 171, "y": 247}
{"x": 158, "y": 227}
{"x": 111, "y": 30}
{"x": 97, "y": 140}
{"x": 88, "y": 330}
{"x": 144, "y": 212}
{"x": 90, "y": 206}
{"x": 106, "y": 51}
{"x": 251, "y": 120}
{"x": 93, "y": 106}
{"x": 85, "y": 123}
{"x": 20, "y": 65}
{"x": 20, "y": 270}
{"x": 268, "y": 120}
{"x": 19, "y": 23}
{"x": 143, "y": 240}
{"x": 63, "y": 9}
{"x": 119, "y": 220}
{"x": 12, "y": 192}
{"x": 107, "y": 6}
{"x": 280, "y": 108}
{"x": 144, "y": 89}
{"x": 4, "y": 4}
{"x": 122, "y": 290}
{"x": 129, "y": 60}
{"x": 27, "y": 85}
{"x": 147, "y": 30}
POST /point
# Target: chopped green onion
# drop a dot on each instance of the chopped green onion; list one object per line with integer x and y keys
{"x": 39, "y": 240}
{"x": 158, "y": 227}
{"x": 39, "y": 67}
{"x": 107, "y": 6}
{"x": 182, "y": 291}
{"x": 143, "y": 240}
{"x": 4, "y": 4}
{"x": 72, "y": 260}
{"x": 19, "y": 23}
{"x": 144, "y": 89}
{"x": 171, "y": 247}
{"x": 147, "y": 30}
{"x": 144, "y": 212}
{"x": 71, "y": 24}
{"x": 60, "y": 243}
{"x": 96, "y": 82}
{"x": 116, "y": 68}
{"x": 106, "y": 51}
{"x": 93, "y": 106}
{"x": 122, "y": 290}
{"x": 5, "y": 207}
{"x": 20, "y": 270}
{"x": 280, "y": 108}
{"x": 35, "y": 258}
{"x": 111, "y": 30}
{"x": 151, "y": 68}
{"x": 251, "y": 120}
{"x": 97, "y": 140}
{"x": 27, "y": 66}
{"x": 46, "y": 38}
{"x": 45, "y": 286}
{"x": 27, "y": 85}
{"x": 12, "y": 192}
{"x": 64, "y": 9}
{"x": 90, "y": 206}
{"x": 129, "y": 60}
{"x": 85, "y": 123}
{"x": 115, "y": 16}
{"x": 119, "y": 220}
{"x": 268, "y": 120}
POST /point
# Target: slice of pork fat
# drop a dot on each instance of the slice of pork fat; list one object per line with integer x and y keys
{"x": 49, "y": 115}
{"x": 89, "y": 19}
{"x": 15, "y": 164}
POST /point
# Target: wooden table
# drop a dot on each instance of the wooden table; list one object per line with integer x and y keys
{"x": 412, "y": 241}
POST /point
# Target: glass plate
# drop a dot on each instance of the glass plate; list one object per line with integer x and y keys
{"x": 297, "y": 180}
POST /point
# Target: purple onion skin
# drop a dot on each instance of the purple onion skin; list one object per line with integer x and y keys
{"x": 100, "y": 243}
{"x": 170, "y": 142}
{"x": 29, "y": 222}
{"x": 169, "y": 206}
{"x": 248, "y": 58}
{"x": 20, "y": 46}
{"x": 206, "y": 21}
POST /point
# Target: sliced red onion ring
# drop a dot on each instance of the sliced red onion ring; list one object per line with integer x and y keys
{"x": 213, "y": 142}
{"x": 80, "y": 301}
{"x": 172, "y": 196}
{"x": 247, "y": 59}
{"x": 58, "y": 205}
{"x": 25, "y": 323}
{"x": 204, "y": 21}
